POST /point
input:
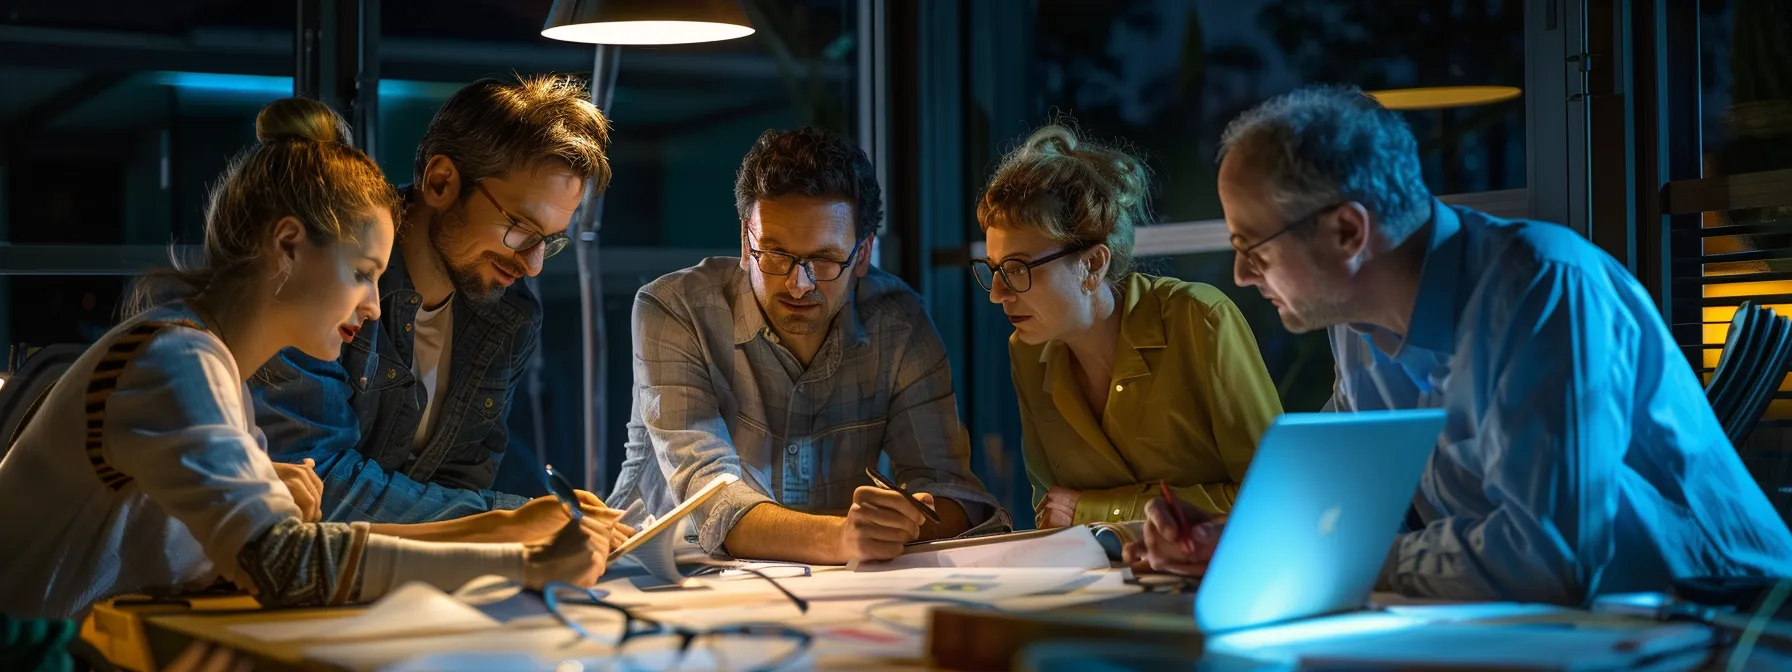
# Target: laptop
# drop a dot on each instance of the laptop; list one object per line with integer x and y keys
{"x": 1315, "y": 517}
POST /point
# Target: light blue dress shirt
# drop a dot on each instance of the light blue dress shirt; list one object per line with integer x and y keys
{"x": 1580, "y": 456}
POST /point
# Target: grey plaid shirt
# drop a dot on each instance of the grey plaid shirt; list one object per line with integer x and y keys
{"x": 715, "y": 393}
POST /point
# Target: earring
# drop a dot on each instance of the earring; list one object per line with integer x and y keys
{"x": 285, "y": 274}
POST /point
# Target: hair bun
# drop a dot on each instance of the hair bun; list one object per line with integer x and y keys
{"x": 300, "y": 119}
{"x": 1053, "y": 138}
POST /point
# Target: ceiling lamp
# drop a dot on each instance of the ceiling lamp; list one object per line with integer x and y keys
{"x": 1442, "y": 97}
{"x": 642, "y": 22}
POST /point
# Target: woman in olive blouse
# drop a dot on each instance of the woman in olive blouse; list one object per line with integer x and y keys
{"x": 1124, "y": 379}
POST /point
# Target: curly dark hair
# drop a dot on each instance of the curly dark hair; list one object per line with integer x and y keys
{"x": 810, "y": 162}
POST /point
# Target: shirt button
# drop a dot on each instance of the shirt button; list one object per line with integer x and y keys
{"x": 1118, "y": 388}
{"x": 1116, "y": 513}
{"x": 407, "y": 328}
{"x": 488, "y": 402}
{"x": 363, "y": 380}
{"x": 791, "y": 449}
{"x": 414, "y": 300}
{"x": 391, "y": 374}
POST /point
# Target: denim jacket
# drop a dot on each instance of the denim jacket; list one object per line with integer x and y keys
{"x": 357, "y": 416}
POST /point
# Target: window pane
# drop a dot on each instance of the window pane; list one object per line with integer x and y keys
{"x": 119, "y": 116}
{"x": 1746, "y": 85}
{"x": 1167, "y": 75}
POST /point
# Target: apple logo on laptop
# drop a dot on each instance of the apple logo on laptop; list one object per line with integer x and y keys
{"x": 1328, "y": 521}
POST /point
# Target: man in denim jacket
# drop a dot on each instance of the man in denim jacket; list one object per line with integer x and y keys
{"x": 409, "y": 425}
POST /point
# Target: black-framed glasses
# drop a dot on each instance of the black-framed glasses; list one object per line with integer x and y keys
{"x": 522, "y": 236}
{"x": 1250, "y": 252}
{"x": 647, "y": 644}
{"x": 1017, "y": 274}
{"x": 820, "y": 269}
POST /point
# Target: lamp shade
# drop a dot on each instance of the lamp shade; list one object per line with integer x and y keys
{"x": 638, "y": 22}
{"x": 1441, "y": 97}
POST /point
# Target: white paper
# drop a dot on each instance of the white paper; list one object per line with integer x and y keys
{"x": 414, "y": 608}
{"x": 1073, "y": 547}
{"x": 500, "y": 648}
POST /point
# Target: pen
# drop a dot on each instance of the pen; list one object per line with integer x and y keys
{"x": 563, "y": 491}
{"x": 912, "y": 501}
{"x": 1184, "y": 532}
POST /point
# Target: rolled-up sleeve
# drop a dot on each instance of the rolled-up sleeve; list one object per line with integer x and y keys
{"x": 676, "y": 398}
{"x": 928, "y": 447}
{"x": 1560, "y": 381}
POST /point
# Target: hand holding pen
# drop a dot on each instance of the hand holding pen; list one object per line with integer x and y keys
{"x": 1179, "y": 538}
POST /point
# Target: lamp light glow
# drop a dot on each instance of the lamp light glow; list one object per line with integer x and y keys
{"x": 1442, "y": 97}
{"x": 646, "y": 22}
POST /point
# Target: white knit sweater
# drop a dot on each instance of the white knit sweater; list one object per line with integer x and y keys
{"x": 201, "y": 490}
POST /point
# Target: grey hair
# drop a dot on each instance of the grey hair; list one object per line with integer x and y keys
{"x": 1321, "y": 145}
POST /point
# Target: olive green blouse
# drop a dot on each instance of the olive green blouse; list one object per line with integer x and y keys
{"x": 1190, "y": 398}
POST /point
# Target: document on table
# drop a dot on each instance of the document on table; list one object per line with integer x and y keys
{"x": 1072, "y": 547}
{"x": 959, "y": 584}
{"x": 415, "y": 608}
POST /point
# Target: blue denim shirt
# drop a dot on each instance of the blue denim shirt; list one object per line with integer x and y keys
{"x": 357, "y": 416}
{"x": 1580, "y": 456}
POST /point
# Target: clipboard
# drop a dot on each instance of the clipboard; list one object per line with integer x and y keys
{"x": 672, "y": 518}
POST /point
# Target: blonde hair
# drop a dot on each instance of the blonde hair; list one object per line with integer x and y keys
{"x": 1072, "y": 190}
{"x": 303, "y": 167}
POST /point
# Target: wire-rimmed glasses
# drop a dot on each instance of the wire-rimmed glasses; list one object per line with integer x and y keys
{"x": 646, "y": 644}
{"x": 1016, "y": 274}
{"x": 522, "y": 236}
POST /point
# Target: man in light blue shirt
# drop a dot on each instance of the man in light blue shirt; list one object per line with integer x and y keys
{"x": 1580, "y": 456}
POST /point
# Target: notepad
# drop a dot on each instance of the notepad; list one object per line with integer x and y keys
{"x": 672, "y": 518}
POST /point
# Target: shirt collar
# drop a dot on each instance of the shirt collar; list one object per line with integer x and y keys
{"x": 1141, "y": 327}
{"x": 1435, "y": 309}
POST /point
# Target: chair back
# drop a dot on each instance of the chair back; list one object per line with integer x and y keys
{"x": 1749, "y": 373}
{"x": 1769, "y": 371}
{"x": 1725, "y": 388}
{"x": 27, "y": 387}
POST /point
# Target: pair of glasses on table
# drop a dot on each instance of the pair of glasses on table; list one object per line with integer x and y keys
{"x": 647, "y": 644}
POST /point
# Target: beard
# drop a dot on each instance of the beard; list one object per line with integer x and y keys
{"x": 464, "y": 272}
{"x": 793, "y": 323}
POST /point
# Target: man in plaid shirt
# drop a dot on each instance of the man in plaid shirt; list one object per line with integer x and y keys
{"x": 794, "y": 366}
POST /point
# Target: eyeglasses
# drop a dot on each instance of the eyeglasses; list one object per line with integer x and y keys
{"x": 523, "y": 237}
{"x": 1017, "y": 274}
{"x": 647, "y": 644}
{"x": 1254, "y": 258}
{"x": 819, "y": 269}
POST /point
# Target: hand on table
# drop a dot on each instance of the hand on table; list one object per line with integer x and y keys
{"x": 542, "y": 517}
{"x": 1162, "y": 550}
{"x": 1058, "y": 509}
{"x": 879, "y": 523}
{"x": 306, "y": 488}
{"x": 577, "y": 554}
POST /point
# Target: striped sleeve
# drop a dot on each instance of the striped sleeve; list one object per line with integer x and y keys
{"x": 306, "y": 564}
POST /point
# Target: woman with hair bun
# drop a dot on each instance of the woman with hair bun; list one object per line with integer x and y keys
{"x": 142, "y": 469}
{"x": 1125, "y": 380}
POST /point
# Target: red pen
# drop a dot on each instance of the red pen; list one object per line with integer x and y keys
{"x": 1184, "y": 531}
